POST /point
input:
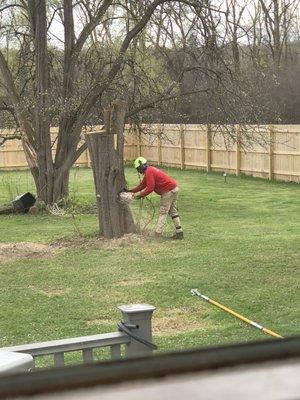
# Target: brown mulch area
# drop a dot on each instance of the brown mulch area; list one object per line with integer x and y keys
{"x": 14, "y": 251}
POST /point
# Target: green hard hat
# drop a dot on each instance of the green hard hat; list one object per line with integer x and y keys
{"x": 139, "y": 161}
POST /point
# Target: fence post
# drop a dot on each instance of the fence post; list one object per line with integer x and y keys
{"x": 159, "y": 145}
{"x": 271, "y": 151}
{"x": 139, "y": 315}
{"x": 208, "y": 146}
{"x": 182, "y": 147}
{"x": 238, "y": 149}
{"x": 139, "y": 144}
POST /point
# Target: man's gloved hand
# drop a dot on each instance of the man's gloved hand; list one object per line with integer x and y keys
{"x": 126, "y": 197}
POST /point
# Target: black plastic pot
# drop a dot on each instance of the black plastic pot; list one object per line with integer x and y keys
{"x": 24, "y": 202}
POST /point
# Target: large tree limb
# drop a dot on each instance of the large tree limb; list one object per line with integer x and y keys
{"x": 5, "y": 138}
{"x": 88, "y": 29}
{"x": 71, "y": 54}
{"x": 42, "y": 120}
{"x": 102, "y": 84}
{"x": 31, "y": 8}
{"x": 11, "y": 93}
{"x": 11, "y": 6}
{"x": 164, "y": 98}
{"x": 79, "y": 151}
{"x": 72, "y": 47}
{"x": 97, "y": 90}
{"x": 69, "y": 45}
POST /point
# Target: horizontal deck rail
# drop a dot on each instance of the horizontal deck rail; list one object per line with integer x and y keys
{"x": 137, "y": 315}
{"x": 98, "y": 379}
{"x": 71, "y": 344}
{"x": 86, "y": 344}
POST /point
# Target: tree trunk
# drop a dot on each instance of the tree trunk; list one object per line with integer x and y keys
{"x": 277, "y": 37}
{"x": 57, "y": 179}
{"x": 115, "y": 218}
{"x": 61, "y": 186}
{"x": 42, "y": 120}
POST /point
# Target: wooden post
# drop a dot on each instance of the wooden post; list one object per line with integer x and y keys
{"x": 208, "y": 146}
{"x": 139, "y": 143}
{"x": 271, "y": 151}
{"x": 159, "y": 145}
{"x": 238, "y": 149}
{"x": 182, "y": 147}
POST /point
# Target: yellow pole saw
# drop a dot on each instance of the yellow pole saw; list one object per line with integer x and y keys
{"x": 237, "y": 315}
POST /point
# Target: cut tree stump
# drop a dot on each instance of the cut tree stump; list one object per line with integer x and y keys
{"x": 106, "y": 154}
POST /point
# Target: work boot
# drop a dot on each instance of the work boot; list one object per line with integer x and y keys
{"x": 177, "y": 236}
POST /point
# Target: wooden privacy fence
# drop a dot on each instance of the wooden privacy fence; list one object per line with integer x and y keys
{"x": 272, "y": 152}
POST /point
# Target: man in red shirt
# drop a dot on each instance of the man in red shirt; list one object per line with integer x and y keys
{"x": 165, "y": 186}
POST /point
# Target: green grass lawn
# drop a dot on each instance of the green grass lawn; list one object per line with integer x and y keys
{"x": 241, "y": 248}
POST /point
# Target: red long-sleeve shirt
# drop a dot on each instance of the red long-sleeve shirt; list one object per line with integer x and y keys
{"x": 155, "y": 180}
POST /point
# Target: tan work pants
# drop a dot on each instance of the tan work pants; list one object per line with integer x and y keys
{"x": 168, "y": 205}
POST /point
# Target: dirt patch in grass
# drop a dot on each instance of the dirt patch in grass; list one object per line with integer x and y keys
{"x": 114, "y": 244}
{"x": 177, "y": 320}
{"x": 14, "y": 251}
{"x": 50, "y": 292}
{"x": 108, "y": 244}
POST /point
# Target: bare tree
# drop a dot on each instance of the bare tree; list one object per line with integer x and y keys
{"x": 74, "y": 95}
{"x": 51, "y": 175}
{"x": 278, "y": 17}
{"x": 234, "y": 14}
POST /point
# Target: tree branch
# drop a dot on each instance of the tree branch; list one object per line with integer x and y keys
{"x": 10, "y": 6}
{"x": 97, "y": 90}
{"x": 152, "y": 103}
{"x": 11, "y": 92}
{"x": 5, "y": 138}
{"x": 79, "y": 151}
{"x": 88, "y": 29}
